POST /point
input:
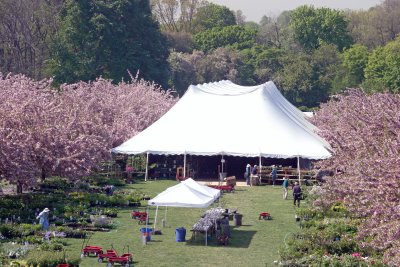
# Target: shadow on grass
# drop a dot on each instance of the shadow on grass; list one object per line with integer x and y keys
{"x": 238, "y": 239}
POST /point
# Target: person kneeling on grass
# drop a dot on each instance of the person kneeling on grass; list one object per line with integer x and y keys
{"x": 296, "y": 194}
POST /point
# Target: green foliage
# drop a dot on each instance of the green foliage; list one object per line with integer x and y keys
{"x": 314, "y": 27}
{"x": 108, "y": 39}
{"x": 237, "y": 37}
{"x": 306, "y": 79}
{"x": 355, "y": 60}
{"x": 213, "y": 15}
{"x": 326, "y": 238}
{"x": 10, "y": 231}
{"x": 383, "y": 69}
{"x": 50, "y": 258}
{"x": 264, "y": 61}
{"x": 55, "y": 183}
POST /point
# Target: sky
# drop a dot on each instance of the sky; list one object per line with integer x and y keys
{"x": 253, "y": 10}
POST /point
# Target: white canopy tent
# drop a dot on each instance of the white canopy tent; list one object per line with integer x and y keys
{"x": 212, "y": 192}
{"x": 182, "y": 195}
{"x": 223, "y": 118}
{"x": 187, "y": 194}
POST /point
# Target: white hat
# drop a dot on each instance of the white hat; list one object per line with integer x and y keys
{"x": 46, "y": 210}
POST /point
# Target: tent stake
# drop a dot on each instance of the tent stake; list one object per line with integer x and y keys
{"x": 147, "y": 168}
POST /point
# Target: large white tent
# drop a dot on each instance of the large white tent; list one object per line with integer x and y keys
{"x": 223, "y": 118}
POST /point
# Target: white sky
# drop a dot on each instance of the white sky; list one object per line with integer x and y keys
{"x": 255, "y": 9}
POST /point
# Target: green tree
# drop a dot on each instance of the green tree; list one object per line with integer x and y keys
{"x": 108, "y": 38}
{"x": 383, "y": 69}
{"x": 354, "y": 60}
{"x": 306, "y": 79}
{"x": 314, "y": 27}
{"x": 263, "y": 61}
{"x": 238, "y": 37}
{"x": 213, "y": 15}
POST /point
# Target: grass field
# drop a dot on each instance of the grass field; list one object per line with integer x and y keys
{"x": 255, "y": 243}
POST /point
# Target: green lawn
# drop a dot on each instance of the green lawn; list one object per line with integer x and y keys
{"x": 255, "y": 243}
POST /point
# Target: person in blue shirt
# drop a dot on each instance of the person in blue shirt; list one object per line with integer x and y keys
{"x": 285, "y": 186}
{"x": 254, "y": 176}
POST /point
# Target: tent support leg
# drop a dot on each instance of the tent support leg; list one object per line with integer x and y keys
{"x": 155, "y": 220}
{"x": 165, "y": 216}
{"x": 298, "y": 169}
{"x": 259, "y": 173}
{"x": 184, "y": 166}
{"x": 146, "y": 176}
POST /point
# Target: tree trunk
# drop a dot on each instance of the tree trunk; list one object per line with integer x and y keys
{"x": 43, "y": 175}
{"x": 19, "y": 187}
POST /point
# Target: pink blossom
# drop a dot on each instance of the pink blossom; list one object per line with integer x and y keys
{"x": 364, "y": 132}
{"x": 69, "y": 132}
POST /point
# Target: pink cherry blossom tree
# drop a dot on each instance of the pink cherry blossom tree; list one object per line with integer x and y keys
{"x": 69, "y": 132}
{"x": 364, "y": 131}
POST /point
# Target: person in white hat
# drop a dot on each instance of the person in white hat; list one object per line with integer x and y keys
{"x": 44, "y": 218}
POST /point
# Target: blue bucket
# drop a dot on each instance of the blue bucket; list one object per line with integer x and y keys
{"x": 146, "y": 232}
{"x": 180, "y": 234}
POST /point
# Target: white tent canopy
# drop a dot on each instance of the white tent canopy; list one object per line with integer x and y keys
{"x": 223, "y": 118}
{"x": 212, "y": 192}
{"x": 182, "y": 195}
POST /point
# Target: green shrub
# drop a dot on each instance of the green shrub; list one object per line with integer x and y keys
{"x": 55, "y": 183}
{"x": 10, "y": 231}
{"x": 115, "y": 182}
{"x": 50, "y": 259}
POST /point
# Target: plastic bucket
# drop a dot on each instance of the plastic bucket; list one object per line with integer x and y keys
{"x": 180, "y": 234}
{"x": 146, "y": 232}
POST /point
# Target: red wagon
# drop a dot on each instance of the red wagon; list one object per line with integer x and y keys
{"x": 138, "y": 214}
{"x": 87, "y": 250}
{"x": 109, "y": 254}
{"x": 125, "y": 260}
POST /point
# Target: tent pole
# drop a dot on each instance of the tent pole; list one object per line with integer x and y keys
{"x": 146, "y": 176}
{"x": 259, "y": 173}
{"x": 165, "y": 216}
{"x": 222, "y": 163}
{"x": 184, "y": 165}
{"x": 298, "y": 168}
{"x": 155, "y": 220}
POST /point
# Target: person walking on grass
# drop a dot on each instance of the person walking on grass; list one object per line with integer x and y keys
{"x": 285, "y": 186}
{"x": 296, "y": 194}
{"x": 247, "y": 174}
{"x": 274, "y": 174}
